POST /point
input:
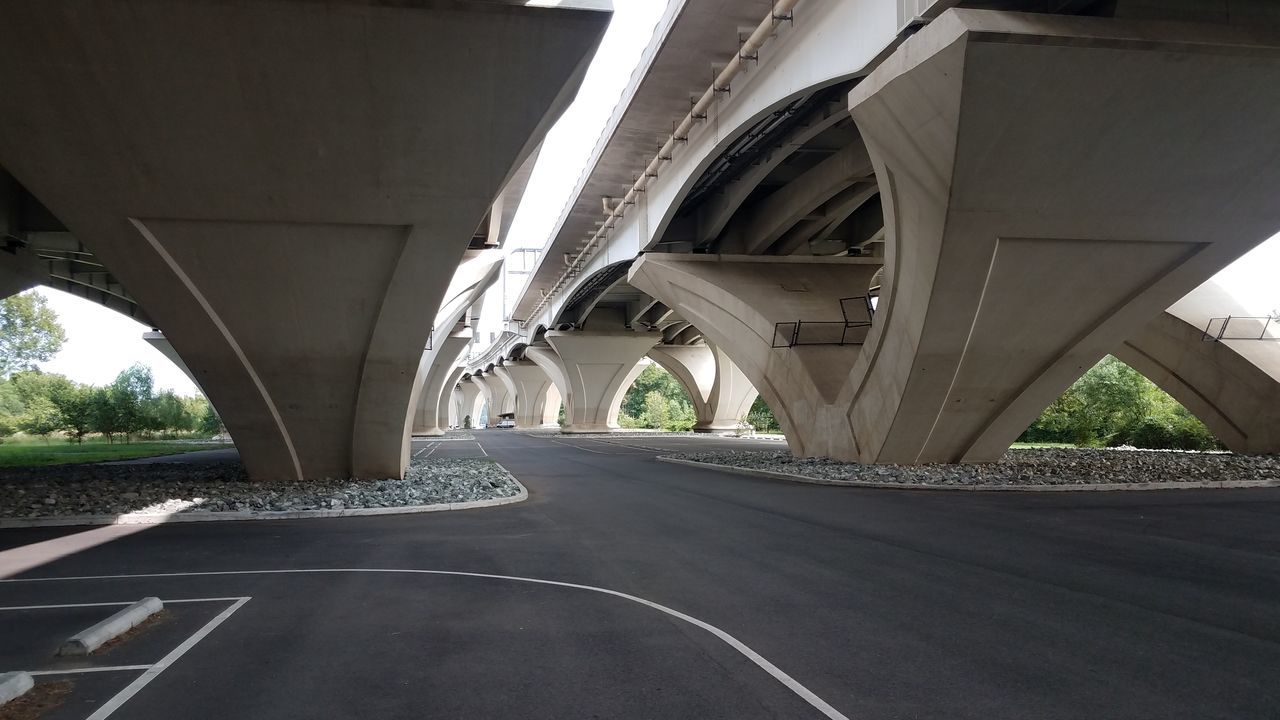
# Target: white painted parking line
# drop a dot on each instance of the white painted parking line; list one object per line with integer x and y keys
{"x": 77, "y": 671}
{"x": 579, "y": 447}
{"x": 152, "y": 672}
{"x": 759, "y": 660}
{"x": 486, "y": 452}
{"x": 113, "y": 604}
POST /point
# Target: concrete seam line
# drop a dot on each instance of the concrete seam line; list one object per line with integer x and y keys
{"x": 132, "y": 688}
{"x": 14, "y": 685}
{"x": 95, "y": 636}
{"x": 759, "y": 660}
{"x": 242, "y": 515}
{"x": 1095, "y": 487}
{"x": 216, "y": 319}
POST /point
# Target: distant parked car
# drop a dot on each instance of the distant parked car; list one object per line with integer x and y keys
{"x": 506, "y": 423}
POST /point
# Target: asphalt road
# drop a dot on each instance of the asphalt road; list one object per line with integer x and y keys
{"x": 875, "y": 604}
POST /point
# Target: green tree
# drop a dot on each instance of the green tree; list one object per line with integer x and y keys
{"x": 210, "y": 423}
{"x": 29, "y": 332}
{"x": 41, "y": 418}
{"x": 103, "y": 414}
{"x": 132, "y": 395}
{"x": 170, "y": 413}
{"x": 75, "y": 404}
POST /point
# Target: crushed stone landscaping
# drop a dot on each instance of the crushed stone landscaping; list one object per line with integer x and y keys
{"x": 1021, "y": 467}
{"x": 160, "y": 488}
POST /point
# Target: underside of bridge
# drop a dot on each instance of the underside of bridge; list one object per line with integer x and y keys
{"x": 286, "y": 187}
{"x": 1043, "y": 187}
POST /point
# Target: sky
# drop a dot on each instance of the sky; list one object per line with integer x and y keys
{"x": 101, "y": 342}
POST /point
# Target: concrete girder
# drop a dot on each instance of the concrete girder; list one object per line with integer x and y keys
{"x": 537, "y": 401}
{"x": 717, "y": 211}
{"x": 599, "y": 368}
{"x": 444, "y": 361}
{"x": 721, "y": 394}
{"x": 834, "y": 212}
{"x": 327, "y": 157}
{"x": 737, "y": 302}
{"x": 1007, "y": 277}
{"x": 756, "y": 229}
{"x": 19, "y": 271}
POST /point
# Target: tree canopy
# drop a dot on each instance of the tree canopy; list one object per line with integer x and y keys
{"x": 29, "y": 332}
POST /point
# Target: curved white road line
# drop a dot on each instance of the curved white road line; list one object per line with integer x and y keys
{"x": 789, "y": 682}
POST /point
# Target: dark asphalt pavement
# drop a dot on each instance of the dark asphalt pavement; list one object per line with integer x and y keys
{"x": 884, "y": 604}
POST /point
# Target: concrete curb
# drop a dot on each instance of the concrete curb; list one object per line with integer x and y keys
{"x": 94, "y": 637}
{"x": 1096, "y": 487}
{"x": 240, "y": 515}
{"x": 13, "y": 685}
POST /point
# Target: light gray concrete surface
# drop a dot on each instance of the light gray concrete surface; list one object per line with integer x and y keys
{"x": 14, "y": 684}
{"x": 92, "y": 638}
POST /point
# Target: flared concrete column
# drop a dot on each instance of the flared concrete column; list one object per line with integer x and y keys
{"x": 455, "y": 402}
{"x": 1233, "y": 386}
{"x": 1050, "y": 184}
{"x": 747, "y": 306}
{"x": 472, "y": 400}
{"x": 599, "y": 367}
{"x": 537, "y": 400}
{"x": 497, "y": 395}
{"x": 291, "y": 221}
{"x": 721, "y": 393}
{"x": 443, "y": 373}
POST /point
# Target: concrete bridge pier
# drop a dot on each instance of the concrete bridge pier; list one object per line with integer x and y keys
{"x": 496, "y": 394}
{"x": 473, "y": 400}
{"x": 747, "y": 306}
{"x": 1050, "y": 184}
{"x": 721, "y": 393}
{"x": 441, "y": 374}
{"x": 537, "y": 401}
{"x": 598, "y": 368}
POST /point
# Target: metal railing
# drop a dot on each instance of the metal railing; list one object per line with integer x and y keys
{"x": 1242, "y": 327}
{"x": 857, "y": 311}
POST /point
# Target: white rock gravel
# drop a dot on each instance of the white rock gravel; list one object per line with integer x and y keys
{"x": 1039, "y": 466}
{"x": 66, "y": 490}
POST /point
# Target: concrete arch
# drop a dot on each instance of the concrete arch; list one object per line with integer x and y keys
{"x": 292, "y": 282}
{"x": 720, "y": 393}
{"x": 1237, "y": 401}
{"x": 963, "y": 355}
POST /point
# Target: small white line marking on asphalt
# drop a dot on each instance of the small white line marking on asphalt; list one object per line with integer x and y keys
{"x": 154, "y": 671}
{"x": 113, "y": 604}
{"x": 579, "y": 447}
{"x": 434, "y": 448}
{"x": 786, "y": 680}
{"x": 113, "y": 668}
{"x": 486, "y": 453}
{"x": 416, "y": 454}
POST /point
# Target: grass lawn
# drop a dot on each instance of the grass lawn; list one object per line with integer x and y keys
{"x": 28, "y": 451}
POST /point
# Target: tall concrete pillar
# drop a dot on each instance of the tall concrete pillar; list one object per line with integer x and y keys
{"x": 537, "y": 401}
{"x": 720, "y": 392}
{"x": 455, "y": 402}
{"x": 472, "y": 401}
{"x": 1050, "y": 184}
{"x": 598, "y": 368}
{"x": 497, "y": 394}
{"x": 442, "y": 373}
{"x": 292, "y": 220}
{"x": 747, "y": 307}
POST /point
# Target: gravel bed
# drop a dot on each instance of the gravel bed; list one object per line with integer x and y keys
{"x": 1039, "y": 466}
{"x": 59, "y": 491}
